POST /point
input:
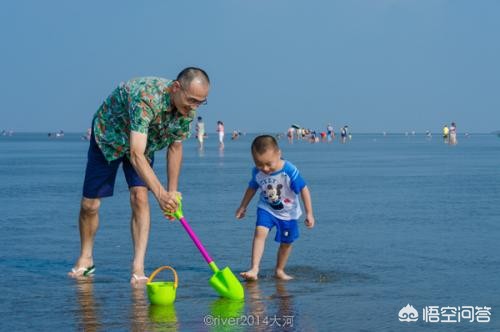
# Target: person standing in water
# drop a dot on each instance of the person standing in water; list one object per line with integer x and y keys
{"x": 140, "y": 117}
{"x": 290, "y": 133}
{"x": 200, "y": 132}
{"x": 220, "y": 131}
{"x": 453, "y": 134}
{"x": 330, "y": 132}
{"x": 343, "y": 134}
{"x": 446, "y": 133}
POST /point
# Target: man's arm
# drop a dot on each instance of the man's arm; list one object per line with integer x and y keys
{"x": 166, "y": 199}
{"x": 174, "y": 162}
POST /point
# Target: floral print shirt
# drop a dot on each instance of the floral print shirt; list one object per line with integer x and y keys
{"x": 141, "y": 105}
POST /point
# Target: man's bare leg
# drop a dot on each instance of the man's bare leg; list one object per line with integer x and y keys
{"x": 88, "y": 223}
{"x": 139, "y": 225}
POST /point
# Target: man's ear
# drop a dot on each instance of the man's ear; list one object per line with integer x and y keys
{"x": 176, "y": 86}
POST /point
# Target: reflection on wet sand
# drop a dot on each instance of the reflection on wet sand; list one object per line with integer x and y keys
{"x": 286, "y": 311}
{"x": 139, "y": 319}
{"x": 263, "y": 311}
{"x": 256, "y": 305}
{"x": 282, "y": 318}
{"x": 227, "y": 308}
{"x": 149, "y": 317}
{"x": 224, "y": 313}
{"x": 89, "y": 308}
{"x": 163, "y": 318}
{"x": 201, "y": 152}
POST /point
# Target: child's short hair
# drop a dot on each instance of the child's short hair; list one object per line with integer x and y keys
{"x": 263, "y": 143}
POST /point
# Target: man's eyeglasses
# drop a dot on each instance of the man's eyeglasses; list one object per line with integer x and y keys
{"x": 193, "y": 101}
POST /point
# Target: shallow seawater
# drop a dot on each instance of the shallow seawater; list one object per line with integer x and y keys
{"x": 400, "y": 220}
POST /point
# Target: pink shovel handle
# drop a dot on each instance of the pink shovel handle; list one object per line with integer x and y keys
{"x": 197, "y": 242}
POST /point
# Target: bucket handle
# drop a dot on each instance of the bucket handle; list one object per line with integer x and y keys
{"x": 158, "y": 270}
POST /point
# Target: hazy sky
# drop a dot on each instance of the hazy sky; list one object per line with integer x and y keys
{"x": 376, "y": 65}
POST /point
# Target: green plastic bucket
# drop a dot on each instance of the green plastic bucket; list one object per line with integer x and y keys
{"x": 161, "y": 292}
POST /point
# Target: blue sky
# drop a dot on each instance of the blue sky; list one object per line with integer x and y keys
{"x": 376, "y": 65}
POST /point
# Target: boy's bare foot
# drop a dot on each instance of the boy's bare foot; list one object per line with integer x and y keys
{"x": 250, "y": 275}
{"x": 280, "y": 274}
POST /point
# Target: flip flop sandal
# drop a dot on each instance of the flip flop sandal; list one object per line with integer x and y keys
{"x": 84, "y": 271}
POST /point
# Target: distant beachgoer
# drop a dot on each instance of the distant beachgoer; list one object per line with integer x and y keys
{"x": 200, "y": 132}
{"x": 220, "y": 130}
{"x": 343, "y": 134}
{"x": 87, "y": 136}
{"x": 57, "y": 134}
{"x": 330, "y": 132}
{"x": 306, "y": 133}
{"x": 453, "y": 134}
{"x": 140, "y": 117}
{"x": 300, "y": 133}
{"x": 280, "y": 183}
{"x": 446, "y": 133}
{"x": 290, "y": 133}
{"x": 313, "y": 136}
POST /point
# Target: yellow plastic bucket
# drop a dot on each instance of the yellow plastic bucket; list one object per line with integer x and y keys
{"x": 161, "y": 292}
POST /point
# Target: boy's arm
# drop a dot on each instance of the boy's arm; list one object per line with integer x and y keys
{"x": 247, "y": 197}
{"x": 306, "y": 199}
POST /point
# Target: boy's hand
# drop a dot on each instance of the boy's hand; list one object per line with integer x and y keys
{"x": 309, "y": 220}
{"x": 240, "y": 213}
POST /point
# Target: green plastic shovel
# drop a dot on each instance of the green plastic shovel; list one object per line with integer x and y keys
{"x": 223, "y": 281}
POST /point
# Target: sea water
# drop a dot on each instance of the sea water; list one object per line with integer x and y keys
{"x": 400, "y": 220}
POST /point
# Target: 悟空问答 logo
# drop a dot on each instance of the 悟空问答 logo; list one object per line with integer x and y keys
{"x": 408, "y": 314}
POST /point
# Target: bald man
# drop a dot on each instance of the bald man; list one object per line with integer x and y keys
{"x": 140, "y": 117}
